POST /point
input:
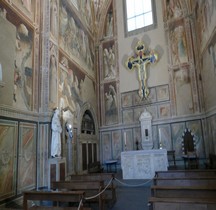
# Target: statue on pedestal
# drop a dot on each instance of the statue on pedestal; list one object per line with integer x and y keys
{"x": 56, "y": 134}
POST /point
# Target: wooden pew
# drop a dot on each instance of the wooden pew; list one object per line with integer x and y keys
{"x": 58, "y": 196}
{"x": 183, "y": 191}
{"x": 185, "y": 173}
{"x": 93, "y": 189}
{"x": 156, "y": 203}
{"x": 110, "y": 193}
{"x": 185, "y": 181}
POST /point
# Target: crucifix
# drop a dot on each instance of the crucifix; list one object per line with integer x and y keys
{"x": 139, "y": 62}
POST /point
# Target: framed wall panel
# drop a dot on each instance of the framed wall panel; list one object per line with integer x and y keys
{"x": 106, "y": 146}
{"x": 162, "y": 93}
{"x": 27, "y": 157}
{"x": 8, "y": 158}
{"x": 116, "y": 145}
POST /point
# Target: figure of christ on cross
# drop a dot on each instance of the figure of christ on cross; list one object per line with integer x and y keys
{"x": 140, "y": 61}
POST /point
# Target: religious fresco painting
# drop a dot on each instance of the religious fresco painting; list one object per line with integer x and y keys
{"x": 109, "y": 25}
{"x": 116, "y": 145}
{"x": 53, "y": 76}
{"x": 106, "y": 146}
{"x": 111, "y": 103}
{"x": 8, "y": 158}
{"x": 27, "y": 7}
{"x": 27, "y": 157}
{"x": 109, "y": 61}
{"x": 7, "y": 57}
{"x": 126, "y": 99}
{"x": 178, "y": 43}
{"x": 70, "y": 86}
{"x": 205, "y": 12}
{"x": 21, "y": 72}
{"x": 164, "y": 110}
{"x": 183, "y": 91}
{"x": 74, "y": 39}
{"x": 54, "y": 18}
{"x": 162, "y": 93}
{"x": 172, "y": 9}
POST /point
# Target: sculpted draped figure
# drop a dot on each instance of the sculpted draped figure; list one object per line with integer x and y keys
{"x": 140, "y": 61}
{"x": 56, "y": 134}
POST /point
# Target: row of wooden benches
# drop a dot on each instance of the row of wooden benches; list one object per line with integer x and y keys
{"x": 184, "y": 189}
{"x": 98, "y": 188}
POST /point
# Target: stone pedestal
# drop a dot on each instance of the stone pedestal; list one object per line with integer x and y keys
{"x": 146, "y": 130}
{"x": 142, "y": 164}
{"x": 56, "y": 170}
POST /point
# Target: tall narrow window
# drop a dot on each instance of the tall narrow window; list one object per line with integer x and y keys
{"x": 139, "y": 15}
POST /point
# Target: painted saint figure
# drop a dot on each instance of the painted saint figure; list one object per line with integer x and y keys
{"x": 140, "y": 61}
{"x": 56, "y": 135}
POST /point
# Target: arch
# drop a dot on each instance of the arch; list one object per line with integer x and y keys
{"x": 87, "y": 139}
{"x": 102, "y": 22}
{"x": 87, "y": 108}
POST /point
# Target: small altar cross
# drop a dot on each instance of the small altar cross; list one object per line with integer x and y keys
{"x": 142, "y": 58}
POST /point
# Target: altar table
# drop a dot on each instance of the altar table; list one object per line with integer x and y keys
{"x": 142, "y": 164}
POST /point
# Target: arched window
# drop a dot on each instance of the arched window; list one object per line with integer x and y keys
{"x": 88, "y": 125}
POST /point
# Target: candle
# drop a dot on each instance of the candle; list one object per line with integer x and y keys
{"x": 159, "y": 135}
{"x": 125, "y": 141}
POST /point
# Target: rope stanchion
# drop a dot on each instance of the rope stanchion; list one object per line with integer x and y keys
{"x": 130, "y": 185}
{"x": 80, "y": 204}
{"x": 101, "y": 191}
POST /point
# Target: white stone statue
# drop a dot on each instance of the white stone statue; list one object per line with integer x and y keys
{"x": 56, "y": 135}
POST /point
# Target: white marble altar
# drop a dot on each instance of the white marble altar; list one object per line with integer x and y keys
{"x": 142, "y": 164}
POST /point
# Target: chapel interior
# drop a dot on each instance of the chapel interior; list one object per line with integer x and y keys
{"x": 79, "y": 57}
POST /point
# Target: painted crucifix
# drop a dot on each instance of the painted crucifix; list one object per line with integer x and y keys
{"x": 139, "y": 62}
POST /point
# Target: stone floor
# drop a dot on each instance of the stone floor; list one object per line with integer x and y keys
{"x": 131, "y": 194}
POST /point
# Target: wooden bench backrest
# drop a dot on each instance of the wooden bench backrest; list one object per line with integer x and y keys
{"x": 106, "y": 177}
{"x": 91, "y": 188}
{"x": 156, "y": 203}
{"x": 185, "y": 173}
{"x": 72, "y": 196}
{"x": 184, "y": 191}
{"x": 185, "y": 181}
{"x": 78, "y": 185}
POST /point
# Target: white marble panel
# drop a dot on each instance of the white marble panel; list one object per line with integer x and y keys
{"x": 142, "y": 164}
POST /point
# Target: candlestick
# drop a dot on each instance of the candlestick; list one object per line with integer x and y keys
{"x": 160, "y": 142}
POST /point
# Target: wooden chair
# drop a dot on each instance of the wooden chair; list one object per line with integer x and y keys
{"x": 190, "y": 157}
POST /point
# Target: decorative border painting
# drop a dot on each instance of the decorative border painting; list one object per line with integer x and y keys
{"x": 8, "y": 158}
{"x": 27, "y": 157}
